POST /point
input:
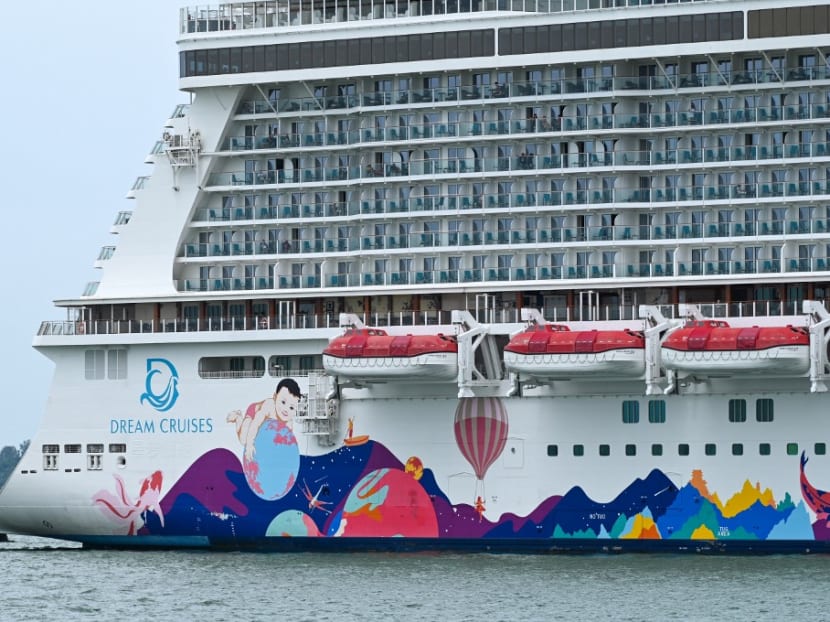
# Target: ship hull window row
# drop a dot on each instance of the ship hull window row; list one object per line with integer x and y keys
{"x": 622, "y": 33}
{"x": 604, "y": 34}
{"x": 338, "y": 53}
{"x": 789, "y": 22}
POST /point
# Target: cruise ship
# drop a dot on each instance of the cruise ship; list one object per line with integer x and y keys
{"x": 484, "y": 275}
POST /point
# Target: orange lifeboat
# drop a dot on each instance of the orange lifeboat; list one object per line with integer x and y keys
{"x": 553, "y": 350}
{"x": 712, "y": 346}
{"x": 370, "y": 354}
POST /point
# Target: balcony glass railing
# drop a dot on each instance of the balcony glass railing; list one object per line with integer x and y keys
{"x": 555, "y": 88}
{"x": 516, "y": 163}
{"x": 591, "y": 271}
{"x": 587, "y": 123}
{"x": 402, "y": 318}
{"x": 518, "y": 238}
{"x": 687, "y": 196}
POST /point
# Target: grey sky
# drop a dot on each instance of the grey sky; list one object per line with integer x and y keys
{"x": 87, "y": 89}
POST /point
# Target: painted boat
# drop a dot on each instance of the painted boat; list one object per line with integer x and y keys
{"x": 555, "y": 351}
{"x": 373, "y": 355}
{"x": 715, "y": 347}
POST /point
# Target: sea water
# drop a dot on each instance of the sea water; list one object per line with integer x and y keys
{"x": 50, "y": 580}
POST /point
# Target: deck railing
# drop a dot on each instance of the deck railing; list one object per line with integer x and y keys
{"x": 233, "y": 16}
{"x": 764, "y": 308}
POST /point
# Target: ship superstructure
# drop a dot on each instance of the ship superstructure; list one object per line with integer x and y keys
{"x": 507, "y": 213}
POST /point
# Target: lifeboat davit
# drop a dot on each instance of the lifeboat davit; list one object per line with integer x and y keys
{"x": 555, "y": 351}
{"x": 712, "y": 346}
{"x": 370, "y": 354}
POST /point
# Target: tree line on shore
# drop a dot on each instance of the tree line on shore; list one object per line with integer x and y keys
{"x": 9, "y": 457}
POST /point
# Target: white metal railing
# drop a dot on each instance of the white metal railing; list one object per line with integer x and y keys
{"x": 234, "y": 16}
{"x": 227, "y": 373}
{"x": 585, "y": 312}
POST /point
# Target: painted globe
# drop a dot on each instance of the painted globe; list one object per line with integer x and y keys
{"x": 388, "y": 502}
{"x": 272, "y": 471}
{"x": 292, "y": 523}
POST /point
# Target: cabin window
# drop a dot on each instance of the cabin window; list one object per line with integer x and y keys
{"x": 553, "y": 450}
{"x": 111, "y": 364}
{"x": 683, "y": 449}
{"x": 820, "y": 449}
{"x": 117, "y": 364}
{"x": 50, "y": 457}
{"x": 279, "y": 365}
{"x": 710, "y": 449}
{"x": 579, "y": 450}
{"x": 72, "y": 449}
{"x": 737, "y": 449}
{"x": 630, "y": 450}
{"x": 631, "y": 411}
{"x": 118, "y": 448}
{"x": 656, "y": 449}
{"x": 605, "y": 450}
{"x": 232, "y": 367}
{"x": 95, "y": 456}
{"x": 792, "y": 449}
{"x": 763, "y": 410}
{"x": 764, "y": 449}
{"x": 94, "y": 364}
{"x": 657, "y": 411}
{"x": 737, "y": 411}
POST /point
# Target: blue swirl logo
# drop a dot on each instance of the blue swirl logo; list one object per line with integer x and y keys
{"x": 165, "y": 400}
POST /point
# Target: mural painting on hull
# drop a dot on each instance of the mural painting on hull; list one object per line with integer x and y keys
{"x": 270, "y": 456}
{"x": 126, "y": 514}
{"x": 819, "y": 502}
{"x": 366, "y": 491}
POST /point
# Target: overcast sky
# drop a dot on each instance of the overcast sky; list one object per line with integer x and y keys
{"x": 87, "y": 89}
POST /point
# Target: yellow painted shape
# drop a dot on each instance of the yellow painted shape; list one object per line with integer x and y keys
{"x": 643, "y": 528}
{"x": 748, "y": 495}
{"x": 703, "y": 533}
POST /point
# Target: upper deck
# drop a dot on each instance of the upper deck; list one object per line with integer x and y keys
{"x": 269, "y": 14}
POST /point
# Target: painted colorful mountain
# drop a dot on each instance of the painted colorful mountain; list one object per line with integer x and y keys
{"x": 365, "y": 491}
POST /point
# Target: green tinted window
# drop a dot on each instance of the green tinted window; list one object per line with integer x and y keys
{"x": 657, "y": 411}
{"x": 631, "y": 411}
{"x": 763, "y": 410}
{"x": 737, "y": 411}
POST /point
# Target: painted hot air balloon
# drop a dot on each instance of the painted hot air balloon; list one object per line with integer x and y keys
{"x": 480, "y": 431}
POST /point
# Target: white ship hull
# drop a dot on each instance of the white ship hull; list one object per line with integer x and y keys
{"x": 314, "y": 493}
{"x": 440, "y": 169}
